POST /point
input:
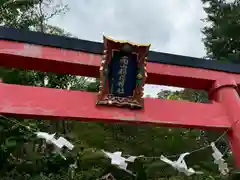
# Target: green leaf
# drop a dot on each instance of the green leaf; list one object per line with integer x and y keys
{"x": 10, "y": 142}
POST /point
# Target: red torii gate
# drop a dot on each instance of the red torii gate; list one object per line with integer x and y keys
{"x": 48, "y": 53}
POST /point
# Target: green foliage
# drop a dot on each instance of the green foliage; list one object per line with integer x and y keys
{"x": 185, "y": 94}
{"x": 222, "y": 38}
{"x": 24, "y": 157}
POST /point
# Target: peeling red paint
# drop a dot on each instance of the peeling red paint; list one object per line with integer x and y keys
{"x": 49, "y": 59}
{"x": 34, "y": 102}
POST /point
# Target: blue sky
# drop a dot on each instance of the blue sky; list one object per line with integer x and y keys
{"x": 172, "y": 26}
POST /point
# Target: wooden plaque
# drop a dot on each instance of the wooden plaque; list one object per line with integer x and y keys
{"x": 122, "y": 74}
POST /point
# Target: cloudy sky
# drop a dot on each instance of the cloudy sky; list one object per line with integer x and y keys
{"x": 171, "y": 26}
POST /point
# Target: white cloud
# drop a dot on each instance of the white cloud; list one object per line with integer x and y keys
{"x": 171, "y": 26}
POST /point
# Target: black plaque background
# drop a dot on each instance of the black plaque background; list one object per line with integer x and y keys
{"x": 130, "y": 78}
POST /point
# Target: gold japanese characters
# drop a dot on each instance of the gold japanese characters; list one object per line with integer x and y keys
{"x": 122, "y": 74}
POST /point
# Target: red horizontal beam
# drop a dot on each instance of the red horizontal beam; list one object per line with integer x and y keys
{"x": 48, "y": 59}
{"x": 55, "y": 104}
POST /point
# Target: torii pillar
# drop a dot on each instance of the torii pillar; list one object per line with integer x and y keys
{"x": 49, "y": 53}
{"x": 224, "y": 91}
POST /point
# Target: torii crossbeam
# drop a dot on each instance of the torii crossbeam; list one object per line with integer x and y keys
{"x": 48, "y": 53}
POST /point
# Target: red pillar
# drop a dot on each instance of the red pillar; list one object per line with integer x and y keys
{"x": 224, "y": 91}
